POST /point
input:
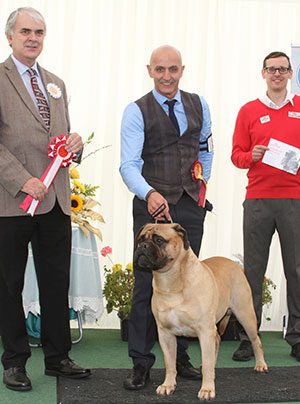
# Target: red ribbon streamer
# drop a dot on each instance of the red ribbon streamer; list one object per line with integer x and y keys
{"x": 61, "y": 159}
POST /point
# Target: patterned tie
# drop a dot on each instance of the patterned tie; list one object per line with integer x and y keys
{"x": 42, "y": 104}
{"x": 172, "y": 115}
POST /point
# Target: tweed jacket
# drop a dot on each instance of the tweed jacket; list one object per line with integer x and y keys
{"x": 24, "y": 140}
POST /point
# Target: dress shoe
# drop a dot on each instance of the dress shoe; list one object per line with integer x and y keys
{"x": 16, "y": 379}
{"x": 67, "y": 368}
{"x": 185, "y": 369}
{"x": 244, "y": 352}
{"x": 138, "y": 379}
{"x": 296, "y": 351}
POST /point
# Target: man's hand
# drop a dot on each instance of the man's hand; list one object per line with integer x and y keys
{"x": 35, "y": 188}
{"x": 74, "y": 143}
{"x": 155, "y": 200}
{"x": 258, "y": 151}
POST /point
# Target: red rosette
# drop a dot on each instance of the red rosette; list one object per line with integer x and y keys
{"x": 196, "y": 172}
{"x": 57, "y": 147}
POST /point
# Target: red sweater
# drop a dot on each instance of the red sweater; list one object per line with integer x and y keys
{"x": 265, "y": 181}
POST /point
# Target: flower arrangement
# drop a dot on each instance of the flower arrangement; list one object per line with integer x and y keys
{"x": 82, "y": 202}
{"x": 118, "y": 286}
{"x": 268, "y": 285}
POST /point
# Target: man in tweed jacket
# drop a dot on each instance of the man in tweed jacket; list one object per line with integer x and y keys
{"x": 24, "y": 138}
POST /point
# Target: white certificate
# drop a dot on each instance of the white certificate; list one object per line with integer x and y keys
{"x": 282, "y": 156}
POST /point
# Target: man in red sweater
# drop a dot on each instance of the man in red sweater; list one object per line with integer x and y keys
{"x": 273, "y": 191}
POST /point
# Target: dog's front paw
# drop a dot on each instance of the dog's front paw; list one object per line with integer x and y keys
{"x": 206, "y": 394}
{"x": 163, "y": 389}
{"x": 261, "y": 368}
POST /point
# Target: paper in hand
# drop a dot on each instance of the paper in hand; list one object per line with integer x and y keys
{"x": 282, "y": 156}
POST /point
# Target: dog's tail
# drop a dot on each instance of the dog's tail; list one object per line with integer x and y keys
{"x": 224, "y": 322}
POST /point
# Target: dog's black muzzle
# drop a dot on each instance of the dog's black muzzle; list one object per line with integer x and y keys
{"x": 147, "y": 258}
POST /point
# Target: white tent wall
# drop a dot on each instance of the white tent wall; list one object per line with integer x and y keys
{"x": 101, "y": 48}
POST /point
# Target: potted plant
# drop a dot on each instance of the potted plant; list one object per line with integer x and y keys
{"x": 268, "y": 285}
{"x": 267, "y": 294}
{"x": 118, "y": 290}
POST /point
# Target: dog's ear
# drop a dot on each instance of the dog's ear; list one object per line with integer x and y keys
{"x": 138, "y": 236}
{"x": 183, "y": 234}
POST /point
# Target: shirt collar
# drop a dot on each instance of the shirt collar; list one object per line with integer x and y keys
{"x": 161, "y": 98}
{"x": 23, "y": 68}
{"x": 269, "y": 103}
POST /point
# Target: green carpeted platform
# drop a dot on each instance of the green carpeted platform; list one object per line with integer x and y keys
{"x": 235, "y": 385}
{"x": 104, "y": 349}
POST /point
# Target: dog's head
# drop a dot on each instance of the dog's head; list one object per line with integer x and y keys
{"x": 159, "y": 245}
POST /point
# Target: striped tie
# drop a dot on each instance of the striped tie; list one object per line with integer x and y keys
{"x": 42, "y": 104}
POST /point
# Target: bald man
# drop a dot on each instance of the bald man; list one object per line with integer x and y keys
{"x": 163, "y": 135}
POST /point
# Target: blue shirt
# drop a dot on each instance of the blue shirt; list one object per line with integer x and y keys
{"x": 22, "y": 69}
{"x": 132, "y": 142}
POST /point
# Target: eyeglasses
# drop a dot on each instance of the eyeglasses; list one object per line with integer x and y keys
{"x": 281, "y": 69}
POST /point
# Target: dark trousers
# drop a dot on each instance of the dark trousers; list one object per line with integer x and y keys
{"x": 50, "y": 237}
{"x": 142, "y": 331}
{"x": 261, "y": 218}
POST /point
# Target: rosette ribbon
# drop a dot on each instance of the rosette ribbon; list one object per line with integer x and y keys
{"x": 61, "y": 158}
{"x": 196, "y": 171}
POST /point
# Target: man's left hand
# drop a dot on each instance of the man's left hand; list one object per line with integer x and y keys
{"x": 74, "y": 143}
{"x": 155, "y": 200}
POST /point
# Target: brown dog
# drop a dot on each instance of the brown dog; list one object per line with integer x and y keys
{"x": 190, "y": 297}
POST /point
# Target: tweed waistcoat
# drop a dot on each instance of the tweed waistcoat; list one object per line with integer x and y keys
{"x": 167, "y": 156}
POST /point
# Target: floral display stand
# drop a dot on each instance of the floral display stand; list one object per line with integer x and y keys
{"x": 85, "y": 292}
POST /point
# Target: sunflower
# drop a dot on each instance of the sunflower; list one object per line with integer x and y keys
{"x": 76, "y": 203}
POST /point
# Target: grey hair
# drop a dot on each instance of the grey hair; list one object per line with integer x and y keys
{"x": 11, "y": 22}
